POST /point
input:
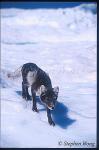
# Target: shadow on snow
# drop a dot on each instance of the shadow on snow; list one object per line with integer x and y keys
{"x": 60, "y": 115}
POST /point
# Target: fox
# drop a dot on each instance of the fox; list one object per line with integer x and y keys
{"x": 36, "y": 78}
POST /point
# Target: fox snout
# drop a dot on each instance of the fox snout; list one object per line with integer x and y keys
{"x": 51, "y": 106}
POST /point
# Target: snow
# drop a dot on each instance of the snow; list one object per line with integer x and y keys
{"x": 63, "y": 43}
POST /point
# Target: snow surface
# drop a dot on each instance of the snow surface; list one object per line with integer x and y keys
{"x": 63, "y": 43}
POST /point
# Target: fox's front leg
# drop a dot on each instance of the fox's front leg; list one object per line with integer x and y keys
{"x": 25, "y": 93}
{"x": 49, "y": 117}
{"x": 34, "y": 107}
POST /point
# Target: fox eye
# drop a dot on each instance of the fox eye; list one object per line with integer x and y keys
{"x": 44, "y": 96}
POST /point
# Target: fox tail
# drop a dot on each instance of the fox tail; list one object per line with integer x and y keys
{"x": 15, "y": 74}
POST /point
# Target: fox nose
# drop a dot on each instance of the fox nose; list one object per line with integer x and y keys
{"x": 52, "y": 107}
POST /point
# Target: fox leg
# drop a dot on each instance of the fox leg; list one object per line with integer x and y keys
{"x": 49, "y": 117}
{"x": 23, "y": 90}
{"x": 34, "y": 107}
{"x": 28, "y": 97}
{"x": 25, "y": 93}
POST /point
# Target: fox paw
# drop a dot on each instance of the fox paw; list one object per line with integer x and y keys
{"x": 35, "y": 109}
{"x": 23, "y": 96}
{"x": 51, "y": 123}
{"x": 28, "y": 98}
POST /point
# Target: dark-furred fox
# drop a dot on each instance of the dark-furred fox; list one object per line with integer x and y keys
{"x": 35, "y": 77}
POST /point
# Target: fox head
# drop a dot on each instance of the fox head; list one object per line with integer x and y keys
{"x": 49, "y": 96}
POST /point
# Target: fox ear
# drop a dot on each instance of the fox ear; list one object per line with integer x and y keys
{"x": 56, "y": 90}
{"x": 42, "y": 88}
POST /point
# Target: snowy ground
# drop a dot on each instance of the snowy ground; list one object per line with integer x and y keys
{"x": 62, "y": 42}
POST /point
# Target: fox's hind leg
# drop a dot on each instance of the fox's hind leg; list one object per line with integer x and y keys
{"x": 34, "y": 107}
{"x": 25, "y": 93}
